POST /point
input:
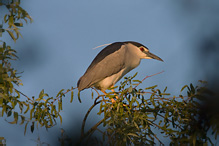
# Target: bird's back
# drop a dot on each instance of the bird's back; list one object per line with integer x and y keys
{"x": 90, "y": 77}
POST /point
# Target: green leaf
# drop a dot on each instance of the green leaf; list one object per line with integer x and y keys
{"x": 92, "y": 95}
{"x": 45, "y": 104}
{"x": 79, "y": 99}
{"x": 60, "y": 93}
{"x": 9, "y": 113}
{"x": 32, "y": 127}
{"x": 138, "y": 81}
{"x": 118, "y": 106}
{"x": 164, "y": 93}
{"x": 11, "y": 35}
{"x": 133, "y": 134}
{"x": 25, "y": 129}
{"x": 50, "y": 120}
{"x": 35, "y": 103}
{"x": 5, "y": 18}
{"x": 183, "y": 88}
{"x": 3, "y": 110}
{"x": 31, "y": 113}
{"x": 59, "y": 105}
{"x": 1, "y": 100}
{"x": 52, "y": 108}
{"x": 15, "y": 118}
{"x": 72, "y": 94}
{"x": 21, "y": 106}
{"x": 27, "y": 109}
{"x": 18, "y": 24}
{"x": 192, "y": 88}
{"x": 130, "y": 89}
{"x": 41, "y": 93}
{"x": 165, "y": 89}
{"x": 159, "y": 92}
{"x": 60, "y": 117}
{"x": 22, "y": 120}
{"x": 152, "y": 87}
{"x": 153, "y": 118}
{"x": 173, "y": 123}
{"x": 136, "y": 125}
{"x": 135, "y": 75}
{"x": 11, "y": 20}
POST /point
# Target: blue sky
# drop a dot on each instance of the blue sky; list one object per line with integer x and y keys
{"x": 56, "y": 49}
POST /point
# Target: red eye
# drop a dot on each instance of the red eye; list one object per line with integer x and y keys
{"x": 142, "y": 49}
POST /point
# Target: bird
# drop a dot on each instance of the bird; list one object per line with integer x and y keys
{"x": 112, "y": 63}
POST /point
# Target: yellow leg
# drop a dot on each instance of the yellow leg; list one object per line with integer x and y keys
{"x": 113, "y": 101}
{"x": 116, "y": 96}
{"x": 114, "y": 93}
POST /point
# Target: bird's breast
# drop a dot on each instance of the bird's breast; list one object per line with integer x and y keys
{"x": 110, "y": 81}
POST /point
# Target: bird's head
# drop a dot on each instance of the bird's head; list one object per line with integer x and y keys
{"x": 142, "y": 51}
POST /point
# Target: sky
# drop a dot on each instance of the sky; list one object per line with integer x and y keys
{"x": 56, "y": 50}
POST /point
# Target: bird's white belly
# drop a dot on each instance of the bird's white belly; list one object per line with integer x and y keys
{"x": 111, "y": 80}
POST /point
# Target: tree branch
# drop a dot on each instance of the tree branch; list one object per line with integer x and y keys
{"x": 148, "y": 77}
{"x": 85, "y": 118}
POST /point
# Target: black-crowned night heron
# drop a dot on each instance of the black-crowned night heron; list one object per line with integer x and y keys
{"x": 112, "y": 63}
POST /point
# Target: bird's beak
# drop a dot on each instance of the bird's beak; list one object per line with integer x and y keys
{"x": 152, "y": 56}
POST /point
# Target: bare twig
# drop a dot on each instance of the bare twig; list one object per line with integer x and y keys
{"x": 158, "y": 139}
{"x": 148, "y": 77}
{"x": 24, "y": 95}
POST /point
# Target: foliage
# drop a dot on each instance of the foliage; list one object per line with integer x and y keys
{"x": 43, "y": 110}
{"x": 144, "y": 116}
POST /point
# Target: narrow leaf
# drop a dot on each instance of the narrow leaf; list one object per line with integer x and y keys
{"x": 25, "y": 129}
{"x": 79, "y": 99}
{"x": 152, "y": 87}
{"x": 72, "y": 94}
{"x": 32, "y": 127}
{"x": 184, "y": 87}
{"x": 11, "y": 35}
{"x": 22, "y": 120}
{"x": 27, "y": 109}
{"x": 60, "y": 117}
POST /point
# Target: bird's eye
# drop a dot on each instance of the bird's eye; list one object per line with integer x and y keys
{"x": 142, "y": 49}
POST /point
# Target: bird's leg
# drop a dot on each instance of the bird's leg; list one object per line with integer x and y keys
{"x": 114, "y": 93}
{"x": 113, "y": 101}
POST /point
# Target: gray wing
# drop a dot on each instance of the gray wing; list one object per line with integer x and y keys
{"x": 108, "y": 62}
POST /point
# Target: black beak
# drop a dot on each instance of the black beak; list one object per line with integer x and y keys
{"x": 149, "y": 54}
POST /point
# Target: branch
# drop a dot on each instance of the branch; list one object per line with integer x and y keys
{"x": 85, "y": 118}
{"x": 170, "y": 121}
{"x": 63, "y": 94}
{"x": 148, "y": 77}
{"x": 23, "y": 95}
{"x": 91, "y": 130}
{"x": 158, "y": 139}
